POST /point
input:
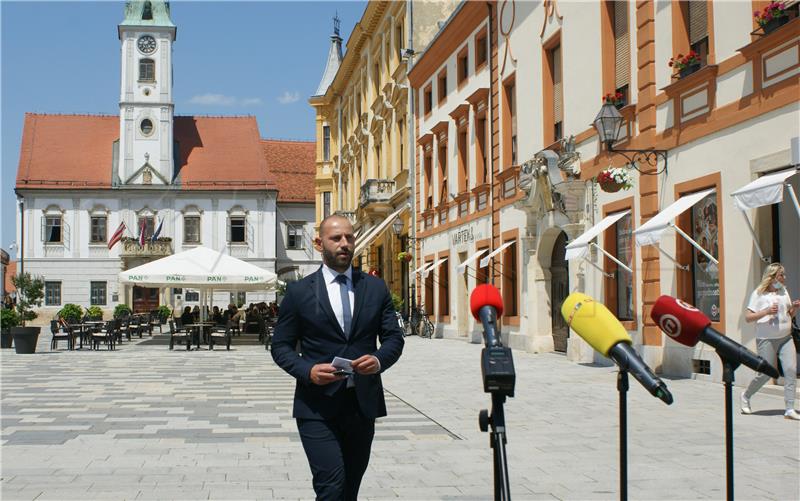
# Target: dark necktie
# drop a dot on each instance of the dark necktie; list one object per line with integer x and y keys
{"x": 347, "y": 315}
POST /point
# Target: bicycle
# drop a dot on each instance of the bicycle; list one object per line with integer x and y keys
{"x": 419, "y": 323}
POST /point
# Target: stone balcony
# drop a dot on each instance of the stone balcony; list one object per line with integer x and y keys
{"x": 376, "y": 194}
{"x": 157, "y": 249}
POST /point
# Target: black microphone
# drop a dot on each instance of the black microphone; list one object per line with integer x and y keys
{"x": 687, "y": 325}
{"x": 486, "y": 305}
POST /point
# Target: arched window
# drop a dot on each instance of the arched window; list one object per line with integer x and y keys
{"x": 147, "y": 11}
{"x": 147, "y": 70}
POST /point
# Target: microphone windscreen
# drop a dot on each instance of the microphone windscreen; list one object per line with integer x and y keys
{"x": 593, "y": 322}
{"x": 679, "y": 320}
{"x": 485, "y": 295}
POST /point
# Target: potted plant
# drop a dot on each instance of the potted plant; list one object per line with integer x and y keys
{"x": 397, "y": 302}
{"x": 772, "y": 17}
{"x": 615, "y": 98}
{"x": 30, "y": 292}
{"x": 8, "y": 319}
{"x": 164, "y": 313}
{"x": 614, "y": 179}
{"x": 94, "y": 313}
{"x": 72, "y": 313}
{"x": 686, "y": 65}
{"x": 405, "y": 256}
{"x": 122, "y": 310}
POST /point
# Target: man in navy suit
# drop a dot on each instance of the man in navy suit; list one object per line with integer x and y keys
{"x": 337, "y": 311}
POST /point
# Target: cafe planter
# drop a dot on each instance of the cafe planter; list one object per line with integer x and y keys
{"x": 25, "y": 339}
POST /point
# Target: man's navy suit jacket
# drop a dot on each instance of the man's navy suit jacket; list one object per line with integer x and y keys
{"x": 307, "y": 333}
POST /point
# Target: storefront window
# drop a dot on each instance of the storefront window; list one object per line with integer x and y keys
{"x": 624, "y": 278}
{"x": 705, "y": 273}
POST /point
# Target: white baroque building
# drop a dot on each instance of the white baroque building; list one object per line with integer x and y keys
{"x": 210, "y": 181}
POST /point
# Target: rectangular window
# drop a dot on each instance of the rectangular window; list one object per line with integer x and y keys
{"x": 428, "y": 100}
{"x": 697, "y": 24}
{"x": 191, "y": 229}
{"x": 510, "y": 281}
{"x": 622, "y": 48}
{"x": 509, "y": 115}
{"x": 192, "y": 296}
{"x": 558, "y": 96}
{"x": 463, "y": 165}
{"x": 463, "y": 66}
{"x": 147, "y": 70}
{"x": 98, "y": 230}
{"x": 52, "y": 229}
{"x": 401, "y": 129}
{"x": 428, "y": 181}
{"x": 443, "y": 174}
{"x": 510, "y": 187}
{"x": 481, "y": 49}
{"x": 294, "y": 235}
{"x": 429, "y": 292}
{"x": 236, "y": 229}
{"x": 52, "y": 293}
{"x": 442, "y": 86}
{"x": 705, "y": 274}
{"x": 480, "y": 153}
{"x": 379, "y": 260}
{"x": 481, "y": 274}
{"x": 326, "y": 204}
{"x": 398, "y": 40}
{"x": 97, "y": 294}
{"x": 326, "y": 143}
{"x": 624, "y": 279}
{"x": 444, "y": 289}
{"x": 149, "y": 225}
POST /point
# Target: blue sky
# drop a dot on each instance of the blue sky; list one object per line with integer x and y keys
{"x": 230, "y": 58}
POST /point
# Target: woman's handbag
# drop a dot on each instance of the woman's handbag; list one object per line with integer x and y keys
{"x": 796, "y": 332}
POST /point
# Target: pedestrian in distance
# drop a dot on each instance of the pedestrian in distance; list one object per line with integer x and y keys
{"x": 337, "y": 311}
{"x": 772, "y": 310}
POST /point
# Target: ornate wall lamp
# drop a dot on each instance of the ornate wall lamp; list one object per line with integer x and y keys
{"x": 608, "y": 123}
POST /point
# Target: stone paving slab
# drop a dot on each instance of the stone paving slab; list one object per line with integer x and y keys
{"x": 143, "y": 422}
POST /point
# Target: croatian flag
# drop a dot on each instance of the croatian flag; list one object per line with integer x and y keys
{"x": 141, "y": 233}
{"x": 117, "y": 235}
{"x": 158, "y": 231}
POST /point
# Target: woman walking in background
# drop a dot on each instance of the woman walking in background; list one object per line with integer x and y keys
{"x": 772, "y": 310}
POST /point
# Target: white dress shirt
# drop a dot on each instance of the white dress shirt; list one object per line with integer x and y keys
{"x": 334, "y": 295}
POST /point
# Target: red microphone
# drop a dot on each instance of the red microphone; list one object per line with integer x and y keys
{"x": 687, "y": 325}
{"x": 486, "y": 305}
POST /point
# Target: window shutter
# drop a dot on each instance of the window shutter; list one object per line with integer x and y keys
{"x": 558, "y": 112}
{"x": 622, "y": 44}
{"x": 698, "y": 21}
{"x": 229, "y": 229}
{"x": 44, "y": 229}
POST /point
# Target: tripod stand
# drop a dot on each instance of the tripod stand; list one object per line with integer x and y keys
{"x": 497, "y": 441}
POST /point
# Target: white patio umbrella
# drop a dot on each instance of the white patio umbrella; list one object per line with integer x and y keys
{"x": 201, "y": 268}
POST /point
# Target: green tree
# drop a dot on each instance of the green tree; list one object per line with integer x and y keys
{"x": 30, "y": 293}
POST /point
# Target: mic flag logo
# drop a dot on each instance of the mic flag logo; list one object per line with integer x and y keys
{"x": 685, "y": 305}
{"x": 670, "y": 325}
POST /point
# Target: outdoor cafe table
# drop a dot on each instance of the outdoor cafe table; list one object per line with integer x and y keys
{"x": 86, "y": 328}
{"x": 200, "y": 326}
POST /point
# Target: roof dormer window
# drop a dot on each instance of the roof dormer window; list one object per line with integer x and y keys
{"x": 147, "y": 12}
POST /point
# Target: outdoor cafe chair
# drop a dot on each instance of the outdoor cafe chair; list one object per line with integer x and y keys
{"x": 155, "y": 321}
{"x": 105, "y": 334}
{"x": 60, "y": 333}
{"x": 179, "y": 334}
{"x": 218, "y": 333}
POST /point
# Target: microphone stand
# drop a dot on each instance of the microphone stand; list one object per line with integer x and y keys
{"x": 497, "y": 441}
{"x": 622, "y": 388}
{"x": 728, "y": 368}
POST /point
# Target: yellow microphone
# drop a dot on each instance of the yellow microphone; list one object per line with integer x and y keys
{"x": 603, "y": 331}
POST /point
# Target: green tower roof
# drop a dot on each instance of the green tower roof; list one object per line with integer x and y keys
{"x": 147, "y": 13}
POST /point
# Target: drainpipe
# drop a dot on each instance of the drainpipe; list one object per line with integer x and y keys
{"x": 489, "y": 112}
{"x": 339, "y": 157}
{"x": 412, "y": 150}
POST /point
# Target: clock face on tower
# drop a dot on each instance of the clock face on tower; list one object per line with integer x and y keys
{"x": 147, "y": 44}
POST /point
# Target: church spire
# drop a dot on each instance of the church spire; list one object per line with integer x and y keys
{"x": 147, "y": 13}
{"x": 334, "y": 59}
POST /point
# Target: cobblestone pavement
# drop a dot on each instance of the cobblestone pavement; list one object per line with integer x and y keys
{"x": 143, "y": 422}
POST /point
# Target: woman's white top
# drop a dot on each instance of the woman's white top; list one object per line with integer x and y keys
{"x": 772, "y": 326}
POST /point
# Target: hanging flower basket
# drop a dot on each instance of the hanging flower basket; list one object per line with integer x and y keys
{"x": 405, "y": 256}
{"x": 614, "y": 179}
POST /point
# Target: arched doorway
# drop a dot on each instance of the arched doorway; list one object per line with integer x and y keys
{"x": 559, "y": 289}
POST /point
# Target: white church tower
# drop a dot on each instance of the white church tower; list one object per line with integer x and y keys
{"x": 145, "y": 152}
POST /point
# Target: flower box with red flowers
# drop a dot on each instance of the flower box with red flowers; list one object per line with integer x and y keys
{"x": 772, "y": 17}
{"x": 686, "y": 65}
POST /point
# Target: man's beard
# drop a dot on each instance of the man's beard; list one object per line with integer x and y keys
{"x": 332, "y": 258}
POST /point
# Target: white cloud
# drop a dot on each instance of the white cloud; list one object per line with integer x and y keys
{"x": 289, "y": 97}
{"x": 211, "y": 99}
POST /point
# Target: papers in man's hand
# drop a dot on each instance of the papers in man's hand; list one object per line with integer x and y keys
{"x": 344, "y": 364}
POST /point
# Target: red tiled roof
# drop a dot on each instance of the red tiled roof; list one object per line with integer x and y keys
{"x": 75, "y": 151}
{"x": 293, "y": 167}
{"x": 11, "y": 270}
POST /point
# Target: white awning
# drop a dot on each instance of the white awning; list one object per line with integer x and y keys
{"x": 650, "y": 232}
{"x": 465, "y": 263}
{"x": 419, "y": 270}
{"x": 432, "y": 267}
{"x": 579, "y": 247}
{"x": 766, "y": 190}
{"x": 363, "y": 242}
{"x": 485, "y": 260}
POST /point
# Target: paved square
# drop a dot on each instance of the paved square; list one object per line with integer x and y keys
{"x": 143, "y": 422}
